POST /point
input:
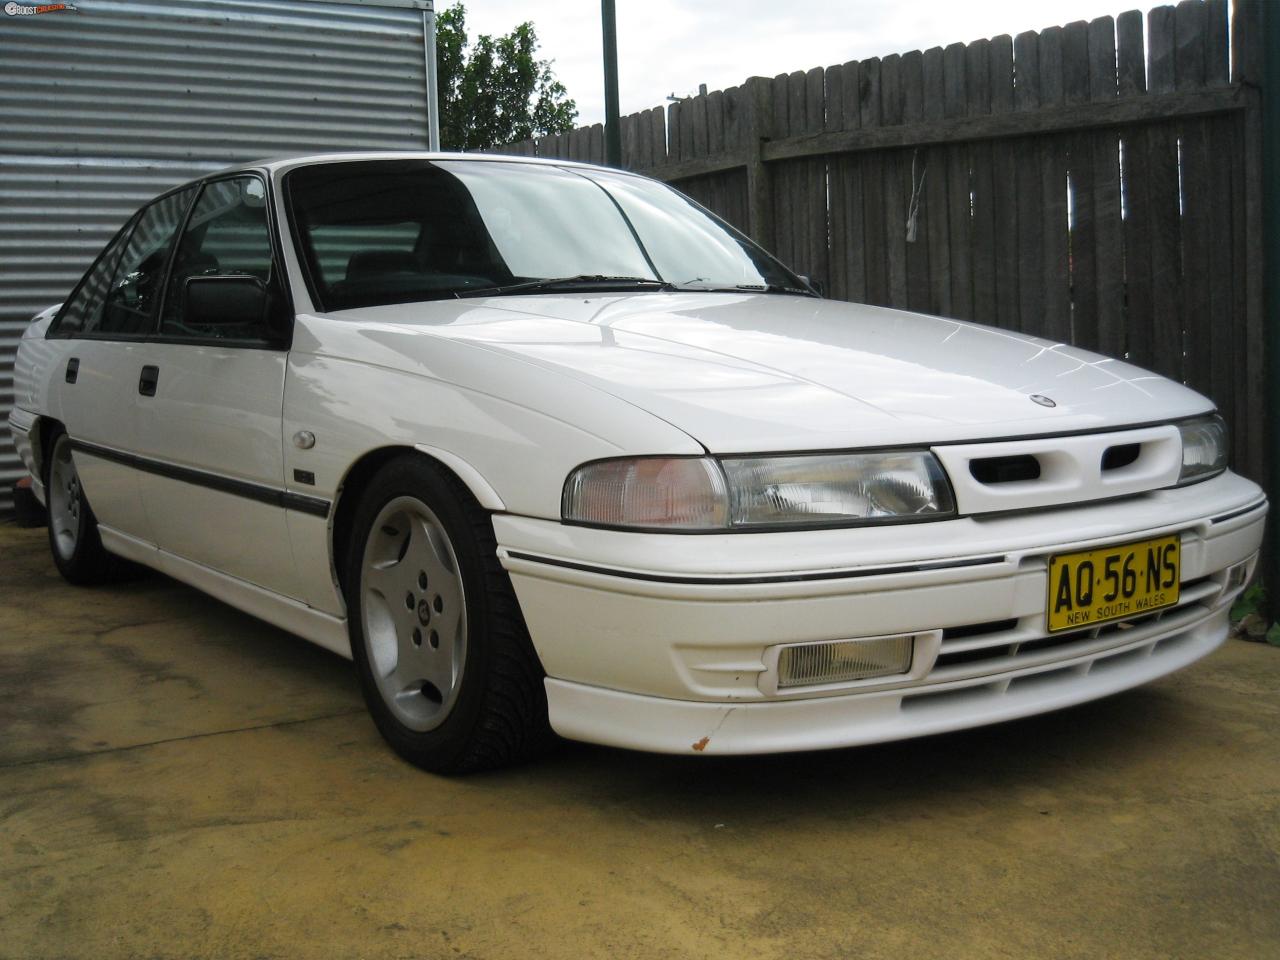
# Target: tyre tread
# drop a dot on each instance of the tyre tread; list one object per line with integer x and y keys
{"x": 91, "y": 565}
{"x": 510, "y": 719}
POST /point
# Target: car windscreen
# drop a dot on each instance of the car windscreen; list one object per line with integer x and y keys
{"x": 400, "y": 230}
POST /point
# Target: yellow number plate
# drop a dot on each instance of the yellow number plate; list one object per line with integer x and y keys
{"x": 1113, "y": 583}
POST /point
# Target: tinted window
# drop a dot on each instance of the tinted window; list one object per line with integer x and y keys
{"x": 134, "y": 296}
{"x": 394, "y": 231}
{"x": 402, "y": 230}
{"x": 685, "y": 244}
{"x": 390, "y": 233}
{"x": 85, "y": 306}
{"x": 228, "y": 234}
{"x": 547, "y": 222}
{"x": 337, "y": 245}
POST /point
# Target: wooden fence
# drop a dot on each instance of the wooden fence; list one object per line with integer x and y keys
{"x": 1077, "y": 183}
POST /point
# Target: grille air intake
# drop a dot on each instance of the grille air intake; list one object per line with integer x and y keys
{"x": 1113, "y": 458}
{"x": 1014, "y": 469}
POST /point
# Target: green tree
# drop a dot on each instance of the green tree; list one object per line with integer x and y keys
{"x": 495, "y": 91}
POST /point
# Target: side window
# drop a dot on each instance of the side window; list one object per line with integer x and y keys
{"x": 134, "y": 296}
{"x": 227, "y": 235}
{"x": 85, "y": 306}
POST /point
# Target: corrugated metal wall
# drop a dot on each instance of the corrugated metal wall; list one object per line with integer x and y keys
{"x": 109, "y": 105}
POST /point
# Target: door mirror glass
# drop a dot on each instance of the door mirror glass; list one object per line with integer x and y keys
{"x": 227, "y": 304}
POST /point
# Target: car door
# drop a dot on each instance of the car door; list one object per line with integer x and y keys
{"x": 106, "y": 322}
{"x": 210, "y": 421}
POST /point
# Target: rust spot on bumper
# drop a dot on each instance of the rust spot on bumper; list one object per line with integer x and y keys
{"x": 702, "y": 744}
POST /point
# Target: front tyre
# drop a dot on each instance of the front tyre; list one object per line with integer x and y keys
{"x": 73, "y": 530}
{"x": 445, "y": 663}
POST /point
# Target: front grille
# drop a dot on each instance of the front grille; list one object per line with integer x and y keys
{"x": 1009, "y": 644}
{"x": 999, "y": 476}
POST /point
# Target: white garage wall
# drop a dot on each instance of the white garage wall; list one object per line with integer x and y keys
{"x": 107, "y": 106}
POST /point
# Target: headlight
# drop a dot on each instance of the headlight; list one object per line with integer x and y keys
{"x": 1204, "y": 448}
{"x": 838, "y": 488}
{"x": 758, "y": 493}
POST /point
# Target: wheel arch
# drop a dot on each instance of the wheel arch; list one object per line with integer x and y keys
{"x": 363, "y": 470}
{"x": 46, "y": 429}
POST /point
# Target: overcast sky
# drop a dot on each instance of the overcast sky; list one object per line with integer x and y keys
{"x": 668, "y": 46}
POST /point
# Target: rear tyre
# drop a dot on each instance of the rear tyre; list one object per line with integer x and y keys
{"x": 73, "y": 529}
{"x": 444, "y": 660}
{"x": 27, "y": 510}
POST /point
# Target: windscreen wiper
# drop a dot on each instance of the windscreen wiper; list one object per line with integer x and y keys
{"x": 745, "y": 288}
{"x": 785, "y": 288}
{"x": 585, "y": 281}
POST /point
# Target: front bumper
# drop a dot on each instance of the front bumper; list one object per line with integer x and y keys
{"x": 665, "y": 642}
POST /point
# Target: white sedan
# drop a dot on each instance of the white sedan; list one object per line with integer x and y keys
{"x": 547, "y": 447}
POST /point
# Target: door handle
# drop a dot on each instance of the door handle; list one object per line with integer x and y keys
{"x": 148, "y": 380}
{"x": 73, "y": 369}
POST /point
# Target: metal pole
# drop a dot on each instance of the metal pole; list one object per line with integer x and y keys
{"x": 433, "y": 92}
{"x": 612, "y": 133}
{"x": 1270, "y": 83}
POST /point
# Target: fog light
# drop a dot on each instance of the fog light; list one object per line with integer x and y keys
{"x": 838, "y": 661}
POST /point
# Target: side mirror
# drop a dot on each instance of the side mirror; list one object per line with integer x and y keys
{"x": 224, "y": 301}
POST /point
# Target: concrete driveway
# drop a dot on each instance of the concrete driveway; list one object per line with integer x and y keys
{"x": 179, "y": 780}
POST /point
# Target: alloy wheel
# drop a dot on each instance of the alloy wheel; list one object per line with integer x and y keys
{"x": 414, "y": 613}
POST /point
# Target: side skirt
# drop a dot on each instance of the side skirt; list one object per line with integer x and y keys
{"x": 320, "y": 628}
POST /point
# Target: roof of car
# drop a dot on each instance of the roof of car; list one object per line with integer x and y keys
{"x": 281, "y": 163}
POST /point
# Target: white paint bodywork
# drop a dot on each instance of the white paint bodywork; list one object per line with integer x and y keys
{"x": 750, "y": 372}
{"x": 671, "y": 650}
